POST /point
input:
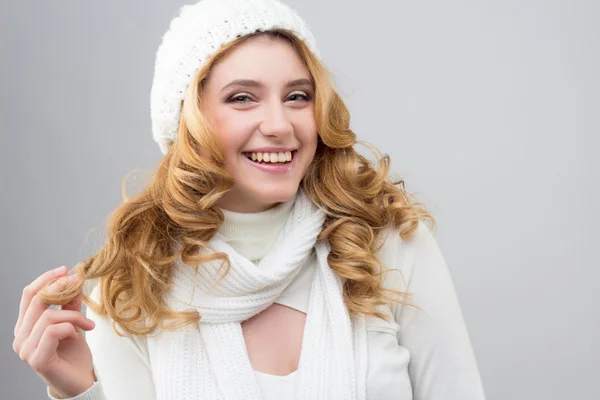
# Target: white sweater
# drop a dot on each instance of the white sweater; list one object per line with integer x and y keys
{"x": 422, "y": 355}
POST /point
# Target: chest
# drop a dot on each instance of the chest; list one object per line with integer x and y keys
{"x": 274, "y": 339}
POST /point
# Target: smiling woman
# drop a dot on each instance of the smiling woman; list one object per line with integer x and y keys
{"x": 256, "y": 264}
{"x": 270, "y": 113}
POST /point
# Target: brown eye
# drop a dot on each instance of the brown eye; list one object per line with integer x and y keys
{"x": 240, "y": 98}
{"x": 299, "y": 96}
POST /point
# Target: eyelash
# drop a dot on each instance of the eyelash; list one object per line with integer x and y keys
{"x": 306, "y": 96}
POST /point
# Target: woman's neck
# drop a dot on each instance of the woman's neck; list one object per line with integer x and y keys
{"x": 252, "y": 235}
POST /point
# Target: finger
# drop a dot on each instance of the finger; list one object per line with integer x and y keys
{"x": 30, "y": 290}
{"x": 46, "y": 350}
{"x": 75, "y": 304}
{"x": 36, "y": 309}
{"x": 54, "y": 317}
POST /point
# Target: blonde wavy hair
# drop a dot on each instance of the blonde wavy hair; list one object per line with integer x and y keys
{"x": 134, "y": 267}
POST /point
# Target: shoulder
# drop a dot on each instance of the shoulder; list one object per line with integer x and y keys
{"x": 400, "y": 257}
{"x": 399, "y": 253}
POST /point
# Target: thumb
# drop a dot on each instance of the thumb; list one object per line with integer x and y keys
{"x": 75, "y": 304}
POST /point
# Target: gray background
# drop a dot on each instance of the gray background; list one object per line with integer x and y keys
{"x": 488, "y": 109}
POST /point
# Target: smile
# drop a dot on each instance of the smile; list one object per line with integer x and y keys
{"x": 282, "y": 158}
{"x": 266, "y": 162}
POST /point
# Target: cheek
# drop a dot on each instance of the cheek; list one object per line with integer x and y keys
{"x": 307, "y": 132}
{"x": 231, "y": 131}
{"x": 311, "y": 136}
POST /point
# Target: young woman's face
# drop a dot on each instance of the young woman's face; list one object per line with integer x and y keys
{"x": 260, "y": 98}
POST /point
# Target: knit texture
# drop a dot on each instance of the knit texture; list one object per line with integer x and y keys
{"x": 333, "y": 359}
{"x": 194, "y": 36}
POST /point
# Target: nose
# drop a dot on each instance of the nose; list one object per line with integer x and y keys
{"x": 275, "y": 122}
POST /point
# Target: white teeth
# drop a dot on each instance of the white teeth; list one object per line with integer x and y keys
{"x": 280, "y": 157}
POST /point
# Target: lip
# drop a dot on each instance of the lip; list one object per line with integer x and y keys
{"x": 270, "y": 150}
{"x": 275, "y": 169}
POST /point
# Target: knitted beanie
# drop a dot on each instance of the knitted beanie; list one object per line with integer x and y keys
{"x": 194, "y": 36}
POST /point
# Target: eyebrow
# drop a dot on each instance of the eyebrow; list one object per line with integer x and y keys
{"x": 253, "y": 83}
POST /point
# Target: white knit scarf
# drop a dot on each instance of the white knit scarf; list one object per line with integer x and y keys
{"x": 210, "y": 360}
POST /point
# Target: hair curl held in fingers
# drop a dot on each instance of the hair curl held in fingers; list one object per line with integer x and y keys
{"x": 134, "y": 267}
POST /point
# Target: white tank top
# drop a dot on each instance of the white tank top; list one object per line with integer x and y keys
{"x": 275, "y": 387}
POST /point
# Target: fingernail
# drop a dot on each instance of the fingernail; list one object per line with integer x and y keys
{"x": 72, "y": 278}
{"x": 59, "y": 270}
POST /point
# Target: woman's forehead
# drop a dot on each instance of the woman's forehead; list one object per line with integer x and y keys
{"x": 263, "y": 59}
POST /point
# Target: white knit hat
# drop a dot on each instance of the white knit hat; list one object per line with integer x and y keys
{"x": 196, "y": 34}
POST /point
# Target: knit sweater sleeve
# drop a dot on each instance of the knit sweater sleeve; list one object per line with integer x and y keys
{"x": 121, "y": 364}
{"x": 442, "y": 363}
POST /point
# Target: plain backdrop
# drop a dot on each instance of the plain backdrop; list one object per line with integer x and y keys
{"x": 489, "y": 110}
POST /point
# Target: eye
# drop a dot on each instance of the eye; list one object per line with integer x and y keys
{"x": 298, "y": 95}
{"x": 240, "y": 98}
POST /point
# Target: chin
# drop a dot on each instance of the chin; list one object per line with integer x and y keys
{"x": 279, "y": 194}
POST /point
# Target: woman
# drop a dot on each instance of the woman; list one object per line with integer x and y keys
{"x": 267, "y": 259}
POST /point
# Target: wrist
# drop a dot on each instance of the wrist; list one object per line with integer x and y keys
{"x": 87, "y": 385}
